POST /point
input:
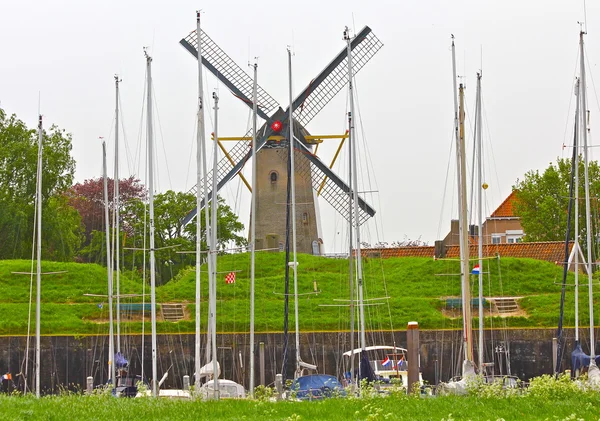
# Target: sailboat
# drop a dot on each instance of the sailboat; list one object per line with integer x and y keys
{"x": 468, "y": 365}
{"x": 214, "y": 388}
{"x": 578, "y": 358}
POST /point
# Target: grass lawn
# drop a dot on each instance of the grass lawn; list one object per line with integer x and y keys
{"x": 546, "y": 400}
{"x": 416, "y": 288}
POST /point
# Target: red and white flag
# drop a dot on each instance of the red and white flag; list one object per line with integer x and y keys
{"x": 230, "y": 278}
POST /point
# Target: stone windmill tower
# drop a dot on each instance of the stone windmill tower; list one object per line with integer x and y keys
{"x": 313, "y": 177}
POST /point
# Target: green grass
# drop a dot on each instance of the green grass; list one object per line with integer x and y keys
{"x": 415, "y": 286}
{"x": 545, "y": 400}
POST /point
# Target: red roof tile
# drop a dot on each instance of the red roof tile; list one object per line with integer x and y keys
{"x": 551, "y": 251}
{"x": 420, "y": 251}
{"x": 505, "y": 210}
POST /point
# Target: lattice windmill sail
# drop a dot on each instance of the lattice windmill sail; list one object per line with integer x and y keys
{"x": 319, "y": 92}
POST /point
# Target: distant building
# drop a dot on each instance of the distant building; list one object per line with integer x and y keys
{"x": 502, "y": 235}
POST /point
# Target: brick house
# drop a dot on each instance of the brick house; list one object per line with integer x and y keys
{"x": 502, "y": 235}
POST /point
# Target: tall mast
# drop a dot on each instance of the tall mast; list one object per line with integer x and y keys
{"x": 199, "y": 143}
{"x": 354, "y": 194}
{"x": 213, "y": 254}
{"x": 462, "y": 195}
{"x": 116, "y": 224}
{"x": 209, "y": 235}
{"x": 479, "y": 218}
{"x": 39, "y": 257}
{"x": 588, "y": 217}
{"x": 294, "y": 264}
{"x": 111, "y": 341}
{"x": 350, "y": 227}
{"x": 464, "y": 235}
{"x": 151, "y": 211}
{"x": 253, "y": 228}
{"x": 576, "y": 246}
{"x": 573, "y": 186}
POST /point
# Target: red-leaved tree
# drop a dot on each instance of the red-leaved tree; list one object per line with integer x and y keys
{"x": 88, "y": 199}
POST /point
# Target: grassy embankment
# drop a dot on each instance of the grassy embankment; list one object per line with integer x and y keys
{"x": 415, "y": 287}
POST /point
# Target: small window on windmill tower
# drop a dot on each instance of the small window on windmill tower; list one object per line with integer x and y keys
{"x": 273, "y": 177}
{"x": 305, "y": 218}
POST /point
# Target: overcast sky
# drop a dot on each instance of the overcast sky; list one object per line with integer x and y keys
{"x": 68, "y": 52}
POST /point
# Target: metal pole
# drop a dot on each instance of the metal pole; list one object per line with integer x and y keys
{"x": 353, "y": 194}
{"x": 111, "y": 342}
{"x": 350, "y": 232}
{"x": 199, "y": 143}
{"x": 253, "y": 228}
{"x": 480, "y": 220}
{"x": 588, "y": 217}
{"x": 151, "y": 211}
{"x": 213, "y": 253}
{"x": 294, "y": 264}
{"x": 464, "y": 233}
{"x": 576, "y": 246}
{"x": 39, "y": 257}
{"x": 116, "y": 224}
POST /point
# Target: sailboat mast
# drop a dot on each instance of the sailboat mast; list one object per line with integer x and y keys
{"x": 462, "y": 183}
{"x": 111, "y": 341}
{"x": 253, "y": 228}
{"x": 149, "y": 134}
{"x": 350, "y": 257}
{"x": 573, "y": 187}
{"x": 199, "y": 143}
{"x": 354, "y": 193}
{"x": 576, "y": 246}
{"x": 479, "y": 145}
{"x": 588, "y": 217}
{"x": 464, "y": 233}
{"x": 39, "y": 257}
{"x": 294, "y": 264}
{"x": 117, "y": 237}
{"x": 213, "y": 253}
{"x": 208, "y": 238}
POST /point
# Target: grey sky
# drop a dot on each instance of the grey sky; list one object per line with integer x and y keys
{"x": 70, "y": 50}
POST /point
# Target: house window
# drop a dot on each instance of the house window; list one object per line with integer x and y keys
{"x": 496, "y": 238}
{"x": 514, "y": 236}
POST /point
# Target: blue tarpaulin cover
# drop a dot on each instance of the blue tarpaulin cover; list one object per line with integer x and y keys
{"x": 120, "y": 360}
{"x": 580, "y": 359}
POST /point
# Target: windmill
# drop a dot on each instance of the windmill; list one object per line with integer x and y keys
{"x": 313, "y": 177}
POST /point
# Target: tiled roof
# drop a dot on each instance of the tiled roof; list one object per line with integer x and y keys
{"x": 551, "y": 251}
{"x": 505, "y": 210}
{"x": 420, "y": 251}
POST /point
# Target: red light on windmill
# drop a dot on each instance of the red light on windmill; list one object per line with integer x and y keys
{"x": 276, "y": 126}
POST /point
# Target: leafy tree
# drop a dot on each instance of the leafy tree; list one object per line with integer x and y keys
{"x": 543, "y": 199}
{"x": 18, "y": 170}
{"x": 171, "y": 235}
{"x": 88, "y": 199}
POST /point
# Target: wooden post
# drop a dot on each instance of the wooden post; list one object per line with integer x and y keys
{"x": 412, "y": 340}
{"x": 261, "y": 353}
{"x": 554, "y": 352}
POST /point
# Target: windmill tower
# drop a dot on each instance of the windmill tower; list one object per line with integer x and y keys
{"x": 313, "y": 177}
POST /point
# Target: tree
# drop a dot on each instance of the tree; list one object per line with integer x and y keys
{"x": 171, "y": 235}
{"x": 88, "y": 199}
{"x": 18, "y": 169}
{"x": 543, "y": 200}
